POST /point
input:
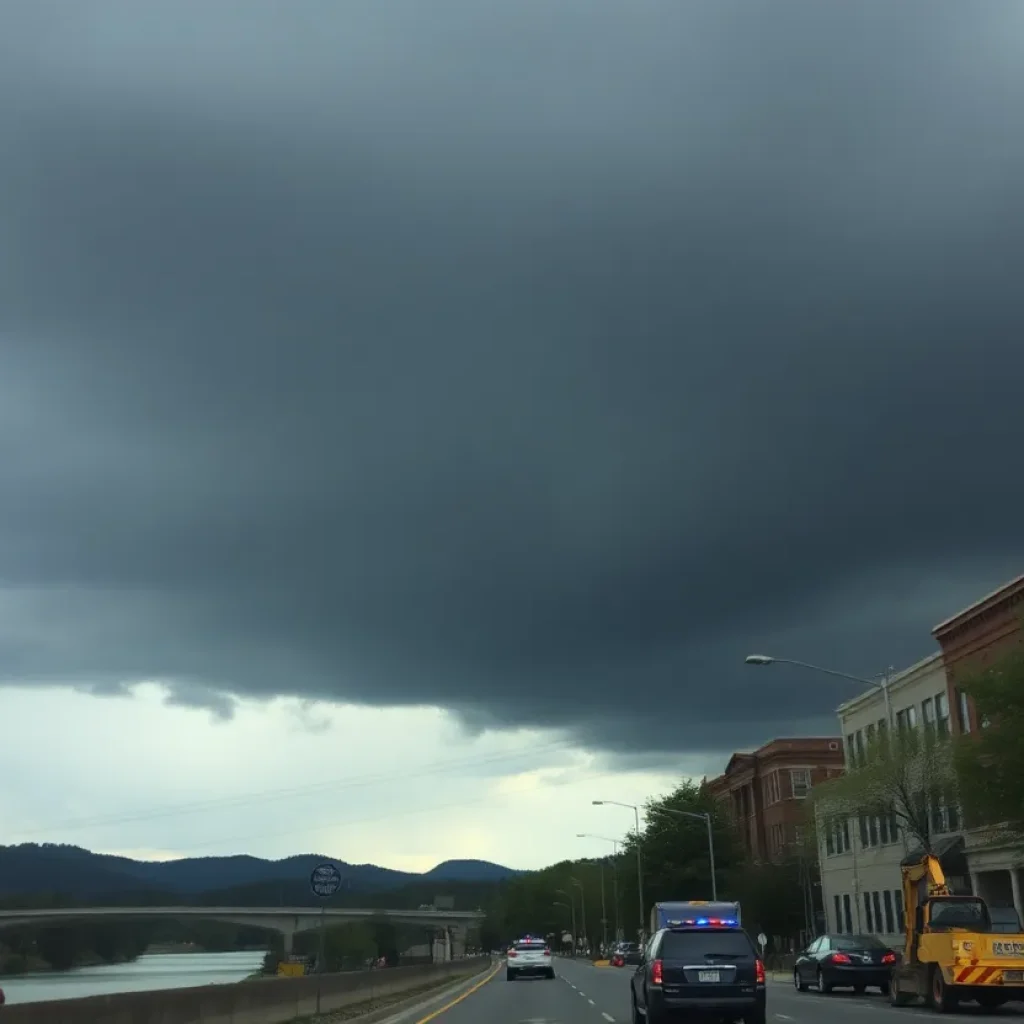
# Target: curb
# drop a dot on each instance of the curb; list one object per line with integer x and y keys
{"x": 416, "y": 1004}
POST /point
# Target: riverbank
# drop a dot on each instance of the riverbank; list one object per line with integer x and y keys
{"x": 148, "y": 972}
{"x": 14, "y": 965}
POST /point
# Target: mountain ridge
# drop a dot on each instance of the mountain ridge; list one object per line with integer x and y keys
{"x": 29, "y": 868}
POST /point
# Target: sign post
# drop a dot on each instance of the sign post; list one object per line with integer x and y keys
{"x": 325, "y": 881}
{"x": 762, "y": 941}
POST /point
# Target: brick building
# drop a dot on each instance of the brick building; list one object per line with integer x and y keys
{"x": 765, "y": 790}
{"x": 970, "y": 641}
{"x": 974, "y": 638}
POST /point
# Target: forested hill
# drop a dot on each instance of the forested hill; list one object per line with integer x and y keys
{"x": 80, "y": 874}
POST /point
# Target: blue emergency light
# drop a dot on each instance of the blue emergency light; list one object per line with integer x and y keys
{"x": 705, "y": 922}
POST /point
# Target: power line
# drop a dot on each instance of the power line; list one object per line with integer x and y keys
{"x": 262, "y": 796}
{"x": 458, "y": 805}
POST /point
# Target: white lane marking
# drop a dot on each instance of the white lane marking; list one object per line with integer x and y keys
{"x": 782, "y": 1016}
{"x": 608, "y": 1016}
{"x": 592, "y": 1003}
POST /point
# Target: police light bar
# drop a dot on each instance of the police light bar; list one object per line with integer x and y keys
{"x": 704, "y": 922}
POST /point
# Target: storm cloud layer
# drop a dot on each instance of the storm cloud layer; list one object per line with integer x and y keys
{"x": 534, "y": 360}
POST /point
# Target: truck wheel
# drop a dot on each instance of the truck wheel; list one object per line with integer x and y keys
{"x": 943, "y": 999}
{"x": 896, "y": 997}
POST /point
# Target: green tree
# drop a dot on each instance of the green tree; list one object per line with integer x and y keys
{"x": 905, "y": 776}
{"x": 990, "y": 762}
{"x": 674, "y": 847}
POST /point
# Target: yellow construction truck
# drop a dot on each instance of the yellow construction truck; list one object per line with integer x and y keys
{"x": 953, "y": 953}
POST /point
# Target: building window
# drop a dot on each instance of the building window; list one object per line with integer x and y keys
{"x": 837, "y": 836}
{"x": 860, "y": 746}
{"x": 942, "y": 714}
{"x": 800, "y": 780}
{"x": 847, "y": 915}
{"x": 887, "y": 900}
{"x": 965, "y": 711}
{"x": 771, "y": 789}
{"x": 876, "y": 902}
{"x": 851, "y": 752}
{"x": 928, "y": 712}
{"x": 900, "y": 926}
{"x": 906, "y": 718}
{"x": 839, "y": 913}
{"x": 867, "y": 912}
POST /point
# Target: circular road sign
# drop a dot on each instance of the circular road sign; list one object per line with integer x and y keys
{"x": 325, "y": 880}
{"x": 762, "y": 940}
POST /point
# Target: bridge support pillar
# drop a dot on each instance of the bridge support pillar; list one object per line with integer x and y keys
{"x": 458, "y": 941}
{"x": 442, "y": 946}
{"x": 288, "y": 934}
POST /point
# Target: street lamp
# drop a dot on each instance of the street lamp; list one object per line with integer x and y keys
{"x": 583, "y": 910}
{"x": 572, "y": 915}
{"x": 706, "y": 818}
{"x": 615, "y": 878}
{"x": 604, "y": 906}
{"x": 883, "y": 684}
{"x": 639, "y": 862}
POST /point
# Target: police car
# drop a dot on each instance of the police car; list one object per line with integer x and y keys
{"x": 699, "y": 964}
{"x": 529, "y": 956}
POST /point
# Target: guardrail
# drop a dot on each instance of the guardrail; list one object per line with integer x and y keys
{"x": 260, "y": 1001}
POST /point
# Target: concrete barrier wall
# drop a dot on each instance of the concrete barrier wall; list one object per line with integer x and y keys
{"x": 260, "y": 1001}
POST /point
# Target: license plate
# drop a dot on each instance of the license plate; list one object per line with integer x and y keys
{"x": 709, "y": 976}
{"x": 1013, "y": 977}
{"x": 1008, "y": 948}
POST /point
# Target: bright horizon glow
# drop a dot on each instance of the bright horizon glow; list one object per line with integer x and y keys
{"x": 402, "y": 788}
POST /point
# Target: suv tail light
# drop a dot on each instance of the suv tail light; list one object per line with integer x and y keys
{"x": 511, "y": 954}
{"x": 840, "y": 958}
{"x": 759, "y": 968}
{"x": 547, "y": 952}
{"x": 656, "y": 972}
{"x": 889, "y": 958}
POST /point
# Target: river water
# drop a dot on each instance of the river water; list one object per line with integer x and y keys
{"x": 149, "y": 972}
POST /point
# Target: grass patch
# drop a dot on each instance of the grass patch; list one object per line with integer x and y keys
{"x": 356, "y": 1010}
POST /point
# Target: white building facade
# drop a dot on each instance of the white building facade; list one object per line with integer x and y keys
{"x": 860, "y": 857}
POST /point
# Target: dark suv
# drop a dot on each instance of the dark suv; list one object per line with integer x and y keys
{"x": 699, "y": 972}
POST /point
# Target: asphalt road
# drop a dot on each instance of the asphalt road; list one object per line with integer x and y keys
{"x": 583, "y": 994}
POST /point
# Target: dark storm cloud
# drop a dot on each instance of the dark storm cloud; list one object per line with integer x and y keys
{"x": 534, "y": 360}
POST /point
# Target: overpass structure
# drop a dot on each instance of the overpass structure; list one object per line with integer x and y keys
{"x": 447, "y": 927}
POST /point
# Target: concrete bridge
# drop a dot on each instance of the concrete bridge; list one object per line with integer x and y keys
{"x": 447, "y": 927}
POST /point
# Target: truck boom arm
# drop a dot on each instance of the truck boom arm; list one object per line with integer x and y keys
{"x": 920, "y": 882}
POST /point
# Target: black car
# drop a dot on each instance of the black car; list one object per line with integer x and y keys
{"x": 701, "y": 972}
{"x": 845, "y": 961}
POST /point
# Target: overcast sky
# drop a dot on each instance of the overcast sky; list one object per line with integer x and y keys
{"x": 494, "y": 376}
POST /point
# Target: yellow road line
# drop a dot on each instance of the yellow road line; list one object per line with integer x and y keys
{"x": 458, "y": 999}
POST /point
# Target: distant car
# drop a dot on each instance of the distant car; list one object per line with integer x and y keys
{"x": 701, "y": 971}
{"x": 529, "y": 956}
{"x": 845, "y": 961}
{"x": 626, "y": 954}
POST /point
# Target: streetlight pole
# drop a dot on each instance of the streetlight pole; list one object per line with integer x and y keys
{"x": 883, "y": 684}
{"x": 583, "y": 910}
{"x": 875, "y": 684}
{"x": 572, "y": 913}
{"x": 706, "y": 818}
{"x": 559, "y": 903}
{"x": 639, "y": 860}
{"x": 615, "y": 876}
